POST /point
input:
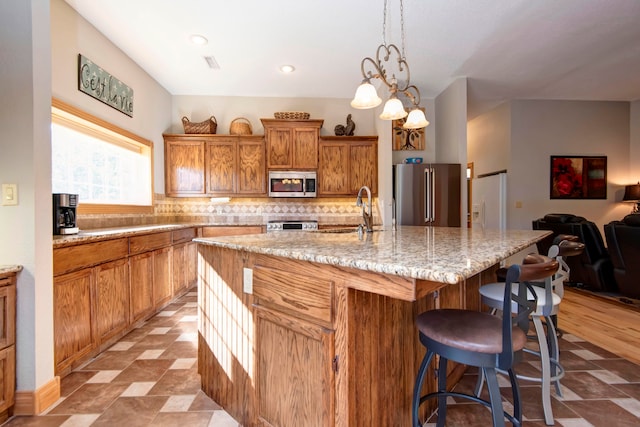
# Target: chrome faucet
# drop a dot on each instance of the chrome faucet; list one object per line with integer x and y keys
{"x": 367, "y": 215}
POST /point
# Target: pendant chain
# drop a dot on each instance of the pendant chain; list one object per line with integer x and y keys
{"x": 384, "y": 26}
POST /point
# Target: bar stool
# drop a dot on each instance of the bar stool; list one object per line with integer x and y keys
{"x": 482, "y": 340}
{"x": 548, "y": 296}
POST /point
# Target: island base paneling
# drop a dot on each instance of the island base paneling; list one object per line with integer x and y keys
{"x": 376, "y": 349}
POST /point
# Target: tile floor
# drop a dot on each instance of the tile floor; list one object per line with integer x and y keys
{"x": 149, "y": 378}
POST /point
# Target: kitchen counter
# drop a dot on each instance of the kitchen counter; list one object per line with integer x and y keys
{"x": 441, "y": 254}
{"x": 318, "y": 328}
{"x": 8, "y": 269}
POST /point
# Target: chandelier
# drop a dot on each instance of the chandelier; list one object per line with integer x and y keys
{"x": 366, "y": 96}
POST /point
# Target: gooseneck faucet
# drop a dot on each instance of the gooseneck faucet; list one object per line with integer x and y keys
{"x": 367, "y": 214}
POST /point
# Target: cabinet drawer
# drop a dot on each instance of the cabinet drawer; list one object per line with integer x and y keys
{"x": 230, "y": 230}
{"x": 184, "y": 235}
{"x": 294, "y": 293}
{"x": 149, "y": 242}
{"x": 76, "y": 257}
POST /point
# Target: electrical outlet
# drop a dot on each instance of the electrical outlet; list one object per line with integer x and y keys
{"x": 9, "y": 194}
{"x": 247, "y": 283}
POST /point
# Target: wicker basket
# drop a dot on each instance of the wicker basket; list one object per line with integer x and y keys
{"x": 208, "y": 126}
{"x": 291, "y": 115}
{"x": 240, "y": 126}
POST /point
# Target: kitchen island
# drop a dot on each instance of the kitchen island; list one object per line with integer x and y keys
{"x": 317, "y": 328}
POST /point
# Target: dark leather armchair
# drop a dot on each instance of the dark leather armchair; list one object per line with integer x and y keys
{"x": 623, "y": 241}
{"x": 592, "y": 269}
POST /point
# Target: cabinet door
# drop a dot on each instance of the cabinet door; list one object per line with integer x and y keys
{"x": 221, "y": 165}
{"x": 294, "y": 377}
{"x": 141, "y": 285}
{"x": 7, "y": 312}
{"x": 184, "y": 167}
{"x": 305, "y": 148}
{"x": 185, "y": 267}
{"x": 112, "y": 298}
{"x": 333, "y": 173}
{"x": 72, "y": 318}
{"x": 363, "y": 161}
{"x": 162, "y": 290}
{"x": 251, "y": 168}
{"x": 279, "y": 141}
{"x": 8, "y": 377}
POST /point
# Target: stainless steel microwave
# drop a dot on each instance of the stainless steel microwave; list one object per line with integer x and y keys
{"x": 292, "y": 183}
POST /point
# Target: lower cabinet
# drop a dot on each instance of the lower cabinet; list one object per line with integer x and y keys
{"x": 112, "y": 298}
{"x": 185, "y": 267}
{"x": 294, "y": 371}
{"x": 141, "y": 270}
{"x": 162, "y": 285}
{"x": 7, "y": 344}
{"x": 73, "y": 331}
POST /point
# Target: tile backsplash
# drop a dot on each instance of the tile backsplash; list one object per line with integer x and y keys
{"x": 237, "y": 211}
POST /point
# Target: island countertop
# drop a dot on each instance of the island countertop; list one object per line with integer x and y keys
{"x": 440, "y": 254}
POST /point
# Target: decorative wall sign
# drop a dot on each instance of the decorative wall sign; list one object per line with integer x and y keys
{"x": 96, "y": 82}
{"x": 578, "y": 177}
{"x": 407, "y": 139}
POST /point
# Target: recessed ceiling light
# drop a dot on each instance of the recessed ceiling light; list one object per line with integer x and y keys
{"x": 198, "y": 39}
{"x": 287, "y": 69}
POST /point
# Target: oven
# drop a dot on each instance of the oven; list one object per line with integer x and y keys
{"x": 292, "y": 225}
{"x": 292, "y": 183}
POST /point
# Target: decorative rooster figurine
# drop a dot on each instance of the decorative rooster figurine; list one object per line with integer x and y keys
{"x": 342, "y": 130}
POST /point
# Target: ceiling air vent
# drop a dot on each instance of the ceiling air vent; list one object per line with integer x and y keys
{"x": 211, "y": 61}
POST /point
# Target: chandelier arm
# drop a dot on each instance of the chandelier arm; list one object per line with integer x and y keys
{"x": 413, "y": 97}
{"x": 378, "y": 69}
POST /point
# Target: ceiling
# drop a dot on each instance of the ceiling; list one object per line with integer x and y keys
{"x": 508, "y": 49}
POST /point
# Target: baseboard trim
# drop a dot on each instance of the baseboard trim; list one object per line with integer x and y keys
{"x": 38, "y": 401}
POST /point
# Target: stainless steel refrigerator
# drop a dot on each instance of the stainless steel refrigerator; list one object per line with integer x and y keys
{"x": 427, "y": 194}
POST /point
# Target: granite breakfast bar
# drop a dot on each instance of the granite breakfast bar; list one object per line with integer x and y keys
{"x": 317, "y": 328}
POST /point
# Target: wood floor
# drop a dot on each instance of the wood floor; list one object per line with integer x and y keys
{"x": 607, "y": 324}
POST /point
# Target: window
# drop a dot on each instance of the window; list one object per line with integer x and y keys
{"x": 109, "y": 168}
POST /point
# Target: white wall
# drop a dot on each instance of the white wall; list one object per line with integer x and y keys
{"x": 71, "y": 35}
{"x": 26, "y": 161}
{"x": 540, "y": 129}
{"x": 489, "y": 140}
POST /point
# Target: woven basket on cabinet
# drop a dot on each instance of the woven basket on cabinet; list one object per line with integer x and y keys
{"x": 240, "y": 127}
{"x": 208, "y": 126}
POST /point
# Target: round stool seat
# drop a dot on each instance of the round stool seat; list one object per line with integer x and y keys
{"x": 493, "y": 293}
{"x": 467, "y": 330}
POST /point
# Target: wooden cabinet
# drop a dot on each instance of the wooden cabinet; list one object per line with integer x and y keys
{"x": 295, "y": 352}
{"x": 214, "y": 165}
{"x": 185, "y": 260}
{"x": 162, "y": 280}
{"x": 103, "y": 289}
{"x": 346, "y": 164}
{"x": 73, "y": 328}
{"x": 184, "y": 173}
{"x": 292, "y": 144}
{"x": 7, "y": 343}
{"x": 111, "y": 299}
{"x": 217, "y": 230}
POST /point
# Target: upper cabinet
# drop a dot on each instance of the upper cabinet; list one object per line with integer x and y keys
{"x": 292, "y": 144}
{"x": 214, "y": 165}
{"x": 346, "y": 163}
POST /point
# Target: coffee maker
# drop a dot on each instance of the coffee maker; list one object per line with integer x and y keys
{"x": 64, "y": 213}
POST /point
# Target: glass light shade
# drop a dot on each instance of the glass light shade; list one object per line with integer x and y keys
{"x": 393, "y": 110}
{"x": 416, "y": 120}
{"x": 366, "y": 97}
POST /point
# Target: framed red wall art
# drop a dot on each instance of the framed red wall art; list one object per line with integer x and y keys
{"x": 578, "y": 177}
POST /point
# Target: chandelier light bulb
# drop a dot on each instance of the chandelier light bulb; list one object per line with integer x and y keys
{"x": 393, "y": 110}
{"x": 416, "y": 120}
{"x": 366, "y": 97}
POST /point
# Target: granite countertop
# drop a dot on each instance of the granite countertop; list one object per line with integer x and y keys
{"x": 8, "y": 269}
{"x": 441, "y": 254}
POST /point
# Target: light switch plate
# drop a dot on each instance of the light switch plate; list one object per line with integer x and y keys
{"x": 9, "y": 194}
{"x": 247, "y": 285}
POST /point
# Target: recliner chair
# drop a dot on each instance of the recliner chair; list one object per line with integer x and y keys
{"x": 623, "y": 241}
{"x": 593, "y": 269}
